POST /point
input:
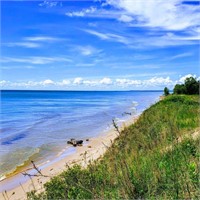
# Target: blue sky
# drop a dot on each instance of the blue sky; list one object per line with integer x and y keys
{"x": 98, "y": 45}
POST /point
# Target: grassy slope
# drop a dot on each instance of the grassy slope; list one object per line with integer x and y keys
{"x": 146, "y": 161}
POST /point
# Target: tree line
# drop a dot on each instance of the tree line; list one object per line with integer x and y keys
{"x": 190, "y": 86}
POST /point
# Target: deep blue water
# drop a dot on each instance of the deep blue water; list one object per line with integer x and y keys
{"x": 40, "y": 122}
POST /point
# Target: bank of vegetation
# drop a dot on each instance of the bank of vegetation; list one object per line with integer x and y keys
{"x": 155, "y": 158}
{"x": 189, "y": 87}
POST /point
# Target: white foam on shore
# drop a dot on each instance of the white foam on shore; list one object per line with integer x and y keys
{"x": 2, "y": 177}
{"x": 118, "y": 120}
{"x": 135, "y": 103}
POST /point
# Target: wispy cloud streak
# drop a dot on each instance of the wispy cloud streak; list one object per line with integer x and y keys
{"x": 35, "y": 60}
{"x": 22, "y": 44}
{"x": 42, "y": 39}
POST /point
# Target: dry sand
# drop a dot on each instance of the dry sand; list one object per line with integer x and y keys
{"x": 93, "y": 150}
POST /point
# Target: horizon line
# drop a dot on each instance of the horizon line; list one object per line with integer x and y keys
{"x": 80, "y": 90}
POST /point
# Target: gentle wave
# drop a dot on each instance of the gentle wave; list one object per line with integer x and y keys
{"x": 46, "y": 120}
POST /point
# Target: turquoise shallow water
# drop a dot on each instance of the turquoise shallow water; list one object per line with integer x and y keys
{"x": 38, "y": 123}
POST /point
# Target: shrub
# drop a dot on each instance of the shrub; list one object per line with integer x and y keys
{"x": 179, "y": 89}
{"x": 191, "y": 86}
{"x": 166, "y": 91}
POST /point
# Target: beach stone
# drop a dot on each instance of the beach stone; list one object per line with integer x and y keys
{"x": 75, "y": 142}
{"x": 87, "y": 140}
{"x": 79, "y": 142}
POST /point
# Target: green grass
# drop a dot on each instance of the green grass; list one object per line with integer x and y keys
{"x": 145, "y": 161}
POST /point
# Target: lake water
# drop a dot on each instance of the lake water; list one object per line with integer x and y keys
{"x": 37, "y": 124}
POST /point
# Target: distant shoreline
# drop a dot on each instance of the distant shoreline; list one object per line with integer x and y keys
{"x": 15, "y": 90}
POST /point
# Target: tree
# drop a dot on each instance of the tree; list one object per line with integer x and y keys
{"x": 179, "y": 89}
{"x": 192, "y": 85}
{"x": 166, "y": 91}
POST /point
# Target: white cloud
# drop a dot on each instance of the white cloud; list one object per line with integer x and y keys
{"x": 22, "y": 44}
{"x": 140, "y": 41}
{"x": 32, "y": 42}
{"x": 30, "y": 84}
{"x": 50, "y": 4}
{"x": 35, "y": 60}
{"x": 17, "y": 67}
{"x": 42, "y": 39}
{"x": 182, "y": 55}
{"x": 81, "y": 13}
{"x": 172, "y": 15}
{"x": 64, "y": 82}
{"x": 154, "y": 16}
{"x": 85, "y": 64}
{"x": 127, "y": 82}
{"x": 91, "y": 83}
{"x": 87, "y": 50}
{"x": 165, "y": 40}
{"x": 94, "y": 12}
{"x": 182, "y": 39}
{"x": 159, "y": 81}
{"x": 47, "y": 82}
{"x": 4, "y": 83}
{"x": 78, "y": 81}
{"x": 125, "y": 18}
{"x": 155, "y": 81}
{"x": 191, "y": 38}
{"x": 102, "y": 36}
{"x": 182, "y": 79}
{"x": 108, "y": 36}
{"x": 106, "y": 81}
{"x": 169, "y": 15}
{"x": 81, "y": 81}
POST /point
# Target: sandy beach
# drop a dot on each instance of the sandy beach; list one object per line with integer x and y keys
{"x": 19, "y": 184}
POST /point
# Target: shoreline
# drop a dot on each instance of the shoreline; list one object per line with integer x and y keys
{"x": 18, "y": 185}
{"x": 65, "y": 151}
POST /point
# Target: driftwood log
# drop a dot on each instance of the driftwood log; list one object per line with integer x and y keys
{"x": 75, "y": 142}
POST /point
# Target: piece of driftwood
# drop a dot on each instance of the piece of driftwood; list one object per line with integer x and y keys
{"x": 75, "y": 142}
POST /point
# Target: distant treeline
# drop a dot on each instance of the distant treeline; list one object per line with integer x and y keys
{"x": 190, "y": 86}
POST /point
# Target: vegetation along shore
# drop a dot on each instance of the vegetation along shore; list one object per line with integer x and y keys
{"x": 100, "y": 100}
{"x": 157, "y": 157}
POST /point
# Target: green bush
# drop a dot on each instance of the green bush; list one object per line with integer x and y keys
{"x": 191, "y": 86}
{"x": 180, "y": 89}
{"x": 166, "y": 91}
